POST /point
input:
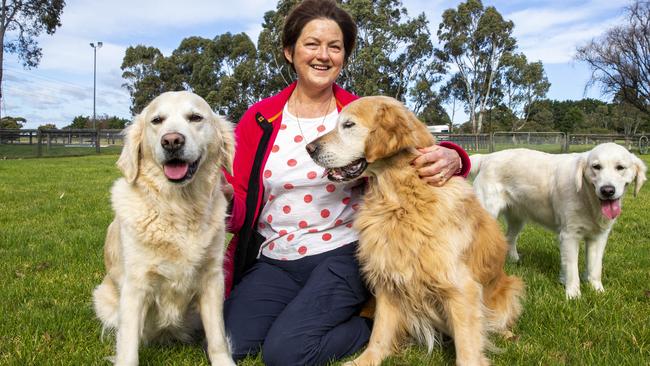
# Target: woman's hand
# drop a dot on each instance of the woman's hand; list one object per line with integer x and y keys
{"x": 437, "y": 164}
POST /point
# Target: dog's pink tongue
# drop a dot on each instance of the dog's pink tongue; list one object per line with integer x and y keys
{"x": 610, "y": 208}
{"x": 175, "y": 170}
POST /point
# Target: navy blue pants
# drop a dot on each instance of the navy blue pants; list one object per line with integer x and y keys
{"x": 301, "y": 312}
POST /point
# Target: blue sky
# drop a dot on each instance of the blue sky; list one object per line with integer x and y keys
{"x": 62, "y": 85}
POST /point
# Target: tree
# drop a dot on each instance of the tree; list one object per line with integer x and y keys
{"x": 14, "y": 123}
{"x": 475, "y": 40}
{"x": 147, "y": 73}
{"x": 571, "y": 121}
{"x": 522, "y": 84}
{"x": 79, "y": 122}
{"x": 47, "y": 126}
{"x": 620, "y": 59}
{"x": 25, "y": 20}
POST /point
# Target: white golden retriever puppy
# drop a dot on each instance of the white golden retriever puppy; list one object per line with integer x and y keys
{"x": 579, "y": 196}
{"x": 164, "y": 249}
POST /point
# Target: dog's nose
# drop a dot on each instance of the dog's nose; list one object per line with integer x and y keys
{"x": 607, "y": 191}
{"x": 172, "y": 141}
{"x": 312, "y": 148}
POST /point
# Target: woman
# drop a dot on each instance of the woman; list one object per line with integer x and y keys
{"x": 297, "y": 288}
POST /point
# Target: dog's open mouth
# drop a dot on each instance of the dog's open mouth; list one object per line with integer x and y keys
{"x": 348, "y": 172}
{"x": 610, "y": 208}
{"x": 177, "y": 170}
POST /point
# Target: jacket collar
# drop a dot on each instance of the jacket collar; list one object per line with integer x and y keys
{"x": 272, "y": 107}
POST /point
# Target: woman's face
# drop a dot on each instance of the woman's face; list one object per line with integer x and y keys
{"x": 318, "y": 54}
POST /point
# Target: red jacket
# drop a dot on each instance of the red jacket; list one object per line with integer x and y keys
{"x": 254, "y": 136}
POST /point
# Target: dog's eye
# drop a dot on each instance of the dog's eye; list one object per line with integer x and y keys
{"x": 347, "y": 124}
{"x": 195, "y": 117}
{"x": 596, "y": 167}
{"x": 157, "y": 120}
{"x": 620, "y": 167}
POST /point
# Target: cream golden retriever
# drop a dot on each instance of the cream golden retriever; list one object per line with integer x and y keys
{"x": 164, "y": 249}
{"x": 578, "y": 196}
{"x": 432, "y": 256}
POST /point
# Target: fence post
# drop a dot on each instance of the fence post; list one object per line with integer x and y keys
{"x": 491, "y": 142}
{"x": 39, "y": 144}
{"x": 567, "y": 136}
{"x": 97, "y": 141}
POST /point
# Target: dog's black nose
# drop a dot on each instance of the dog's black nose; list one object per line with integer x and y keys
{"x": 172, "y": 141}
{"x": 312, "y": 148}
{"x": 607, "y": 191}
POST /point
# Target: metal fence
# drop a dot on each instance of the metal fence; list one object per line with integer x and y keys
{"x": 553, "y": 142}
{"x": 43, "y": 143}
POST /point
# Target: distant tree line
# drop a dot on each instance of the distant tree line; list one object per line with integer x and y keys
{"x": 79, "y": 122}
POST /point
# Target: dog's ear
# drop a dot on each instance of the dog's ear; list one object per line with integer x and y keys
{"x": 395, "y": 128}
{"x": 640, "y": 178}
{"x": 580, "y": 172}
{"x": 129, "y": 159}
{"x": 227, "y": 148}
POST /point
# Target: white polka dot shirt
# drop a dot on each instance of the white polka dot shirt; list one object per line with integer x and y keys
{"x": 304, "y": 212}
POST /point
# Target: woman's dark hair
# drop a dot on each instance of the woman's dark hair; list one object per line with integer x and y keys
{"x": 309, "y": 10}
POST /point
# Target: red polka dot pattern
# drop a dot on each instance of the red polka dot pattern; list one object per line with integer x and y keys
{"x": 267, "y": 174}
{"x": 292, "y": 162}
{"x": 286, "y": 209}
{"x": 302, "y": 250}
{"x": 303, "y": 224}
{"x": 327, "y": 236}
{"x": 308, "y": 198}
{"x": 330, "y": 188}
{"x": 312, "y": 175}
{"x": 325, "y": 213}
{"x": 288, "y": 186}
{"x": 290, "y": 237}
{"x": 297, "y": 139}
{"x": 275, "y": 148}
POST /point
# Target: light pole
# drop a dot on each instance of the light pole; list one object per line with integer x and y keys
{"x": 95, "y": 47}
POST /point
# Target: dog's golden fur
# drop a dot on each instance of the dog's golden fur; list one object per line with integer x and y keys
{"x": 432, "y": 256}
{"x": 164, "y": 249}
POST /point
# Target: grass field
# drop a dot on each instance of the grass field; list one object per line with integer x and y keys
{"x": 53, "y": 217}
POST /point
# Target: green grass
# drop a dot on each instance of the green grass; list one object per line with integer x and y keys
{"x": 53, "y": 217}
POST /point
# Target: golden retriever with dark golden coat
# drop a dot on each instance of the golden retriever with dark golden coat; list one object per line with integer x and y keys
{"x": 164, "y": 249}
{"x": 432, "y": 256}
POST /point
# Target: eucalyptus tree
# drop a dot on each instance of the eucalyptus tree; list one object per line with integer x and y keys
{"x": 475, "y": 39}
{"x": 21, "y": 23}
{"x": 620, "y": 58}
{"x": 522, "y": 83}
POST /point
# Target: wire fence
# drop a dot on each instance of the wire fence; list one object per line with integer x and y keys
{"x": 17, "y": 144}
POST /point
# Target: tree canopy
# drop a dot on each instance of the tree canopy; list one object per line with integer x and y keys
{"x": 21, "y": 22}
{"x": 620, "y": 59}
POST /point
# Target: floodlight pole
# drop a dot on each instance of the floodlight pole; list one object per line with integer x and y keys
{"x": 95, "y": 47}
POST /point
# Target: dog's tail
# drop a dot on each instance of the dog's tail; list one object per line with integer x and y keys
{"x": 476, "y": 164}
{"x": 504, "y": 302}
{"x": 105, "y": 302}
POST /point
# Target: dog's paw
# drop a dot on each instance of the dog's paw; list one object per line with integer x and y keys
{"x": 573, "y": 292}
{"x": 221, "y": 359}
{"x": 597, "y": 286}
{"x": 513, "y": 256}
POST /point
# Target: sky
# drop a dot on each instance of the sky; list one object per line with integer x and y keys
{"x": 61, "y": 87}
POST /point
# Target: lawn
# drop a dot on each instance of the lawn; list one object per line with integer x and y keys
{"x": 53, "y": 217}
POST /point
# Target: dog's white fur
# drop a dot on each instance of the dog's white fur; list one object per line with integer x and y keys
{"x": 562, "y": 192}
{"x": 164, "y": 249}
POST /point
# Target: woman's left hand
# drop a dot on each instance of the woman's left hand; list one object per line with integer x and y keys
{"x": 437, "y": 164}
